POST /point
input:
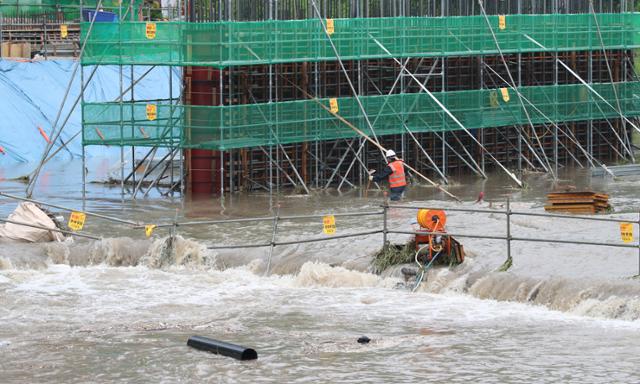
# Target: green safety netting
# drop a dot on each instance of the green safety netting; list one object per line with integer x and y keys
{"x": 242, "y": 126}
{"x": 70, "y": 8}
{"x": 165, "y": 130}
{"x": 224, "y": 44}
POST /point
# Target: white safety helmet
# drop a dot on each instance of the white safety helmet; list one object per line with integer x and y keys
{"x": 391, "y": 153}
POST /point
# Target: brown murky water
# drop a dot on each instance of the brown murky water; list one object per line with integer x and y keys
{"x": 121, "y": 309}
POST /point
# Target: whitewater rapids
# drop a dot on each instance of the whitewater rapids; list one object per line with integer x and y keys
{"x": 122, "y": 308}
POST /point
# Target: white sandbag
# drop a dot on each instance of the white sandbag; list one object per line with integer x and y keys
{"x": 29, "y": 213}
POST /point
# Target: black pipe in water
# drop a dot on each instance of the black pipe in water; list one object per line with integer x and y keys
{"x": 221, "y": 348}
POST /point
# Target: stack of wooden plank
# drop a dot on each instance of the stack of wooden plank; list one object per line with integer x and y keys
{"x": 577, "y": 202}
{"x": 16, "y": 50}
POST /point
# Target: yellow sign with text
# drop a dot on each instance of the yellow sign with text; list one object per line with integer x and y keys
{"x": 152, "y": 112}
{"x": 330, "y": 27}
{"x": 333, "y": 105}
{"x": 329, "y": 224}
{"x": 502, "y": 22}
{"x": 150, "y": 31}
{"x": 505, "y": 94}
{"x": 64, "y": 31}
{"x": 76, "y": 221}
{"x": 626, "y": 232}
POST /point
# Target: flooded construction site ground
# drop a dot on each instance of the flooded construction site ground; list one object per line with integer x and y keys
{"x": 121, "y": 309}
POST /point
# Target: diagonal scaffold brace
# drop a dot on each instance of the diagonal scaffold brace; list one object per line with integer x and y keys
{"x": 55, "y": 130}
{"x": 455, "y": 119}
{"x": 581, "y": 80}
{"x": 346, "y": 75}
{"x": 512, "y": 83}
{"x": 592, "y": 160}
{"x": 369, "y": 139}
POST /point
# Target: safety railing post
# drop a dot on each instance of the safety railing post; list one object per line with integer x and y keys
{"x": 44, "y": 39}
{"x": 385, "y": 208}
{"x": 276, "y": 217}
{"x": 508, "y": 228}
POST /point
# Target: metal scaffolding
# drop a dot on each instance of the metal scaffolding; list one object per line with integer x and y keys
{"x": 196, "y": 128}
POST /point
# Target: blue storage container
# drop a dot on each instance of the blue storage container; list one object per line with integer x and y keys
{"x": 101, "y": 16}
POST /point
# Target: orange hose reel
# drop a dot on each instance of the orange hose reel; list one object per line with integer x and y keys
{"x": 433, "y": 220}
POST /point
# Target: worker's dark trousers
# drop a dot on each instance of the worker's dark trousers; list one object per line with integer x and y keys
{"x": 396, "y": 193}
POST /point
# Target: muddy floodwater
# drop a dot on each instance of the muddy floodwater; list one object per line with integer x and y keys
{"x": 122, "y": 308}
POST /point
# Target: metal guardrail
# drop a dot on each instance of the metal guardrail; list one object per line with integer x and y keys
{"x": 277, "y": 219}
{"x": 385, "y": 231}
{"x": 256, "y": 219}
{"x": 70, "y": 233}
{"x": 70, "y": 210}
{"x": 509, "y": 238}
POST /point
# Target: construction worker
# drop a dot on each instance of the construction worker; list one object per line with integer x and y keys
{"x": 394, "y": 171}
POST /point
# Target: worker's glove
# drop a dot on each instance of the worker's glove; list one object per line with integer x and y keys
{"x": 370, "y": 177}
{"x": 371, "y": 172}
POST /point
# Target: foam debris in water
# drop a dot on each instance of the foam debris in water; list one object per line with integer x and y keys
{"x": 319, "y": 274}
{"x": 175, "y": 251}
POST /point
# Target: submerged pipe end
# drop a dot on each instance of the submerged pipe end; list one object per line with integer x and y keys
{"x": 222, "y": 348}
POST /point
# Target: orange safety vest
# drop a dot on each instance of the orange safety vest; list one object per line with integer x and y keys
{"x": 397, "y": 179}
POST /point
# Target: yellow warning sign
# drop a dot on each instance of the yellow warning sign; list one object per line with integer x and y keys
{"x": 64, "y": 31}
{"x": 148, "y": 229}
{"x": 150, "y": 31}
{"x": 626, "y": 232}
{"x": 330, "y": 27}
{"x": 502, "y": 22}
{"x": 493, "y": 99}
{"x": 152, "y": 112}
{"x": 329, "y": 224}
{"x": 505, "y": 94}
{"x": 76, "y": 221}
{"x": 333, "y": 105}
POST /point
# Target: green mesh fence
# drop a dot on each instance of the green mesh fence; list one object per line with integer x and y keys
{"x": 224, "y": 44}
{"x": 242, "y": 126}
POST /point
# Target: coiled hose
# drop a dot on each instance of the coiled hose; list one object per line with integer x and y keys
{"x": 423, "y": 268}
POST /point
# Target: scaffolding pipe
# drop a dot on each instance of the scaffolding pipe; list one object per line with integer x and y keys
{"x": 294, "y": 170}
{"x": 328, "y": 167}
{"x": 161, "y": 174}
{"x": 589, "y": 156}
{"x": 580, "y": 79}
{"x": 346, "y": 74}
{"x": 55, "y": 135}
{"x": 404, "y": 125}
{"x": 435, "y": 99}
{"x": 382, "y": 149}
{"x": 512, "y": 84}
{"x": 606, "y": 60}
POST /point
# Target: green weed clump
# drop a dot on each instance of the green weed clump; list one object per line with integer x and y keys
{"x": 392, "y": 254}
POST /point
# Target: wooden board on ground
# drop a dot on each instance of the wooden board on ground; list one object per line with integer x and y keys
{"x": 577, "y": 202}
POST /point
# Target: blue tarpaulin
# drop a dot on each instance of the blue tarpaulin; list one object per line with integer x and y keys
{"x": 31, "y": 94}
